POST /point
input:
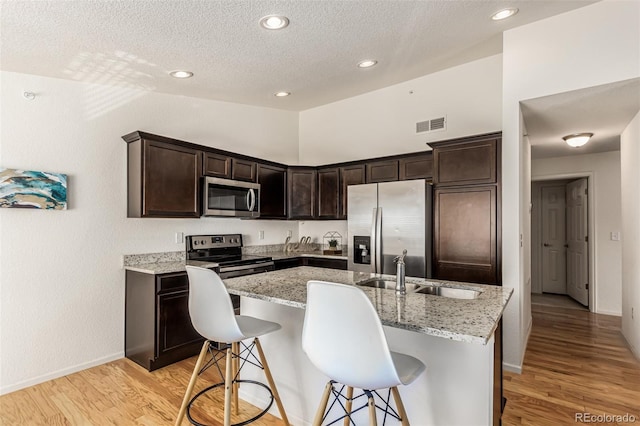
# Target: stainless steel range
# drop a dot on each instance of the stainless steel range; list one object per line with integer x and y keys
{"x": 226, "y": 251}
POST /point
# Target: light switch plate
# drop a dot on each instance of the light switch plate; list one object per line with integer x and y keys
{"x": 615, "y": 236}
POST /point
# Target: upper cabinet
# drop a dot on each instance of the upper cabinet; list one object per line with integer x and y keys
{"x": 382, "y": 171}
{"x": 163, "y": 177}
{"x": 301, "y": 192}
{"x": 416, "y": 167}
{"x": 328, "y": 193}
{"x": 349, "y": 175}
{"x": 465, "y": 163}
{"x": 243, "y": 170}
{"x": 216, "y": 165}
{"x": 273, "y": 191}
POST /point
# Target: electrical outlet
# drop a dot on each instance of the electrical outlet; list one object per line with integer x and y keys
{"x": 631, "y": 312}
{"x": 261, "y": 235}
{"x": 289, "y": 233}
{"x": 179, "y": 237}
{"x": 615, "y": 236}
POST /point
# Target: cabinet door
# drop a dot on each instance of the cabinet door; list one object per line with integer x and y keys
{"x": 273, "y": 191}
{"x": 328, "y": 193}
{"x": 217, "y": 165}
{"x": 416, "y": 167}
{"x": 302, "y": 182}
{"x": 465, "y": 238}
{"x": 465, "y": 163}
{"x": 349, "y": 175}
{"x": 243, "y": 170}
{"x": 174, "y": 323}
{"x": 382, "y": 171}
{"x": 170, "y": 180}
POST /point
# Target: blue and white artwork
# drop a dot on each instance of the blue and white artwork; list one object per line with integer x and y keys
{"x": 33, "y": 190}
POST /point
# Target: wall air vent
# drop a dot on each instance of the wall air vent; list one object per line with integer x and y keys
{"x": 435, "y": 124}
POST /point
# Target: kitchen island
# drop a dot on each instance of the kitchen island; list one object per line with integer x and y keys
{"x": 455, "y": 338}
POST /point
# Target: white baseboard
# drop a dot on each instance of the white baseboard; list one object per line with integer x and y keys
{"x": 605, "y": 312}
{"x": 512, "y": 368}
{"x": 59, "y": 373}
{"x": 517, "y": 368}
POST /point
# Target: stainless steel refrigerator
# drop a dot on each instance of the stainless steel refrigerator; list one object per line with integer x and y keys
{"x": 386, "y": 218}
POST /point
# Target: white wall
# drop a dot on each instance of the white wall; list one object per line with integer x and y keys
{"x": 630, "y": 152}
{"x": 383, "y": 122}
{"x": 590, "y": 46}
{"x": 603, "y": 171}
{"x": 61, "y": 279}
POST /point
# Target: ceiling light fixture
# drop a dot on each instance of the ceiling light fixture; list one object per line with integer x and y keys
{"x": 504, "y": 14}
{"x": 367, "y": 63}
{"x": 577, "y": 139}
{"x": 181, "y": 74}
{"x": 281, "y": 94}
{"x": 274, "y": 22}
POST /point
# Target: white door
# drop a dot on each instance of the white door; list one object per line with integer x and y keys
{"x": 553, "y": 240}
{"x": 577, "y": 239}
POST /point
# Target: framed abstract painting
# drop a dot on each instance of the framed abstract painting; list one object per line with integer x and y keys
{"x": 32, "y": 189}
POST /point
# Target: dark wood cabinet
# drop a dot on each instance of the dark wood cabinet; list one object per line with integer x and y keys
{"x": 158, "y": 328}
{"x": 243, "y": 170}
{"x": 465, "y": 234}
{"x": 416, "y": 167}
{"x": 163, "y": 177}
{"x": 319, "y": 262}
{"x": 216, "y": 165}
{"x": 349, "y": 175}
{"x": 328, "y": 193}
{"x": 465, "y": 163}
{"x": 382, "y": 171}
{"x": 301, "y": 192}
{"x": 273, "y": 191}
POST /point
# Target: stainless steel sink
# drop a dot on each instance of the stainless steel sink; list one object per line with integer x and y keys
{"x": 387, "y": 285}
{"x": 454, "y": 293}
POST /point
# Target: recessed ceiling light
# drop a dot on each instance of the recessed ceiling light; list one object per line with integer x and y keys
{"x": 282, "y": 94}
{"x": 504, "y": 14}
{"x": 274, "y": 22}
{"x": 577, "y": 139}
{"x": 367, "y": 63}
{"x": 181, "y": 74}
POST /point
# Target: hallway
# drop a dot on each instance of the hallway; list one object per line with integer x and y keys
{"x": 576, "y": 362}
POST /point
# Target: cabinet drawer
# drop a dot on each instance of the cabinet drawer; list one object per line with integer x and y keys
{"x": 172, "y": 282}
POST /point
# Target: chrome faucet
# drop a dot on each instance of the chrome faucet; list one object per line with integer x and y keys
{"x": 401, "y": 288}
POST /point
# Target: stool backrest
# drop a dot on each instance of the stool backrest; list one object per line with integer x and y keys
{"x": 210, "y": 306}
{"x": 343, "y": 337}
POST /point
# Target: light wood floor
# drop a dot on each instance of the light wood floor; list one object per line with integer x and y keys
{"x": 575, "y": 362}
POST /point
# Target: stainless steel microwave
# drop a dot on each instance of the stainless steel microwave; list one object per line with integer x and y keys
{"x": 224, "y": 197}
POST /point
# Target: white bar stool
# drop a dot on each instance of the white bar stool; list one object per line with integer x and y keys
{"x": 343, "y": 337}
{"x": 213, "y": 317}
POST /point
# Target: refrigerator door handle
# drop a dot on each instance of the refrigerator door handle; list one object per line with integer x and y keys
{"x": 379, "y": 241}
{"x": 373, "y": 241}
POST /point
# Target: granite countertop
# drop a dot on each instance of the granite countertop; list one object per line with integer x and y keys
{"x": 472, "y": 321}
{"x": 171, "y": 262}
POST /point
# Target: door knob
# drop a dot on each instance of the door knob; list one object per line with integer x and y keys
{"x": 547, "y": 245}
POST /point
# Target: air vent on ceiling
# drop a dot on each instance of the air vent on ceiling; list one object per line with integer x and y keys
{"x": 435, "y": 124}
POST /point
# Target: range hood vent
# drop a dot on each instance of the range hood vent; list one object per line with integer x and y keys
{"x": 432, "y": 125}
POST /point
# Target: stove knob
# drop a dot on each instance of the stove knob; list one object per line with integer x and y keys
{"x": 195, "y": 242}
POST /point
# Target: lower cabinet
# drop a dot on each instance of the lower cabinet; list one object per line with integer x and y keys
{"x": 318, "y": 262}
{"x": 158, "y": 329}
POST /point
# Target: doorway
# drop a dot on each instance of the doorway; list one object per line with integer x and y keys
{"x": 560, "y": 239}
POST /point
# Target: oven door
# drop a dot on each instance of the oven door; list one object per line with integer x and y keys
{"x": 242, "y": 270}
{"x": 224, "y": 197}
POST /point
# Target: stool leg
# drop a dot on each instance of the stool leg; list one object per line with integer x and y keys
{"x": 235, "y": 348}
{"x": 317, "y": 421}
{"x": 192, "y": 382}
{"x": 228, "y": 382}
{"x": 400, "y": 406}
{"x": 373, "y": 421}
{"x": 348, "y": 405}
{"x": 272, "y": 384}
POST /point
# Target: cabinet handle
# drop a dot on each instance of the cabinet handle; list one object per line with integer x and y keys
{"x": 547, "y": 245}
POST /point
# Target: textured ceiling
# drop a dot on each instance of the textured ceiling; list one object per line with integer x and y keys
{"x": 603, "y": 110}
{"x": 136, "y": 43}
